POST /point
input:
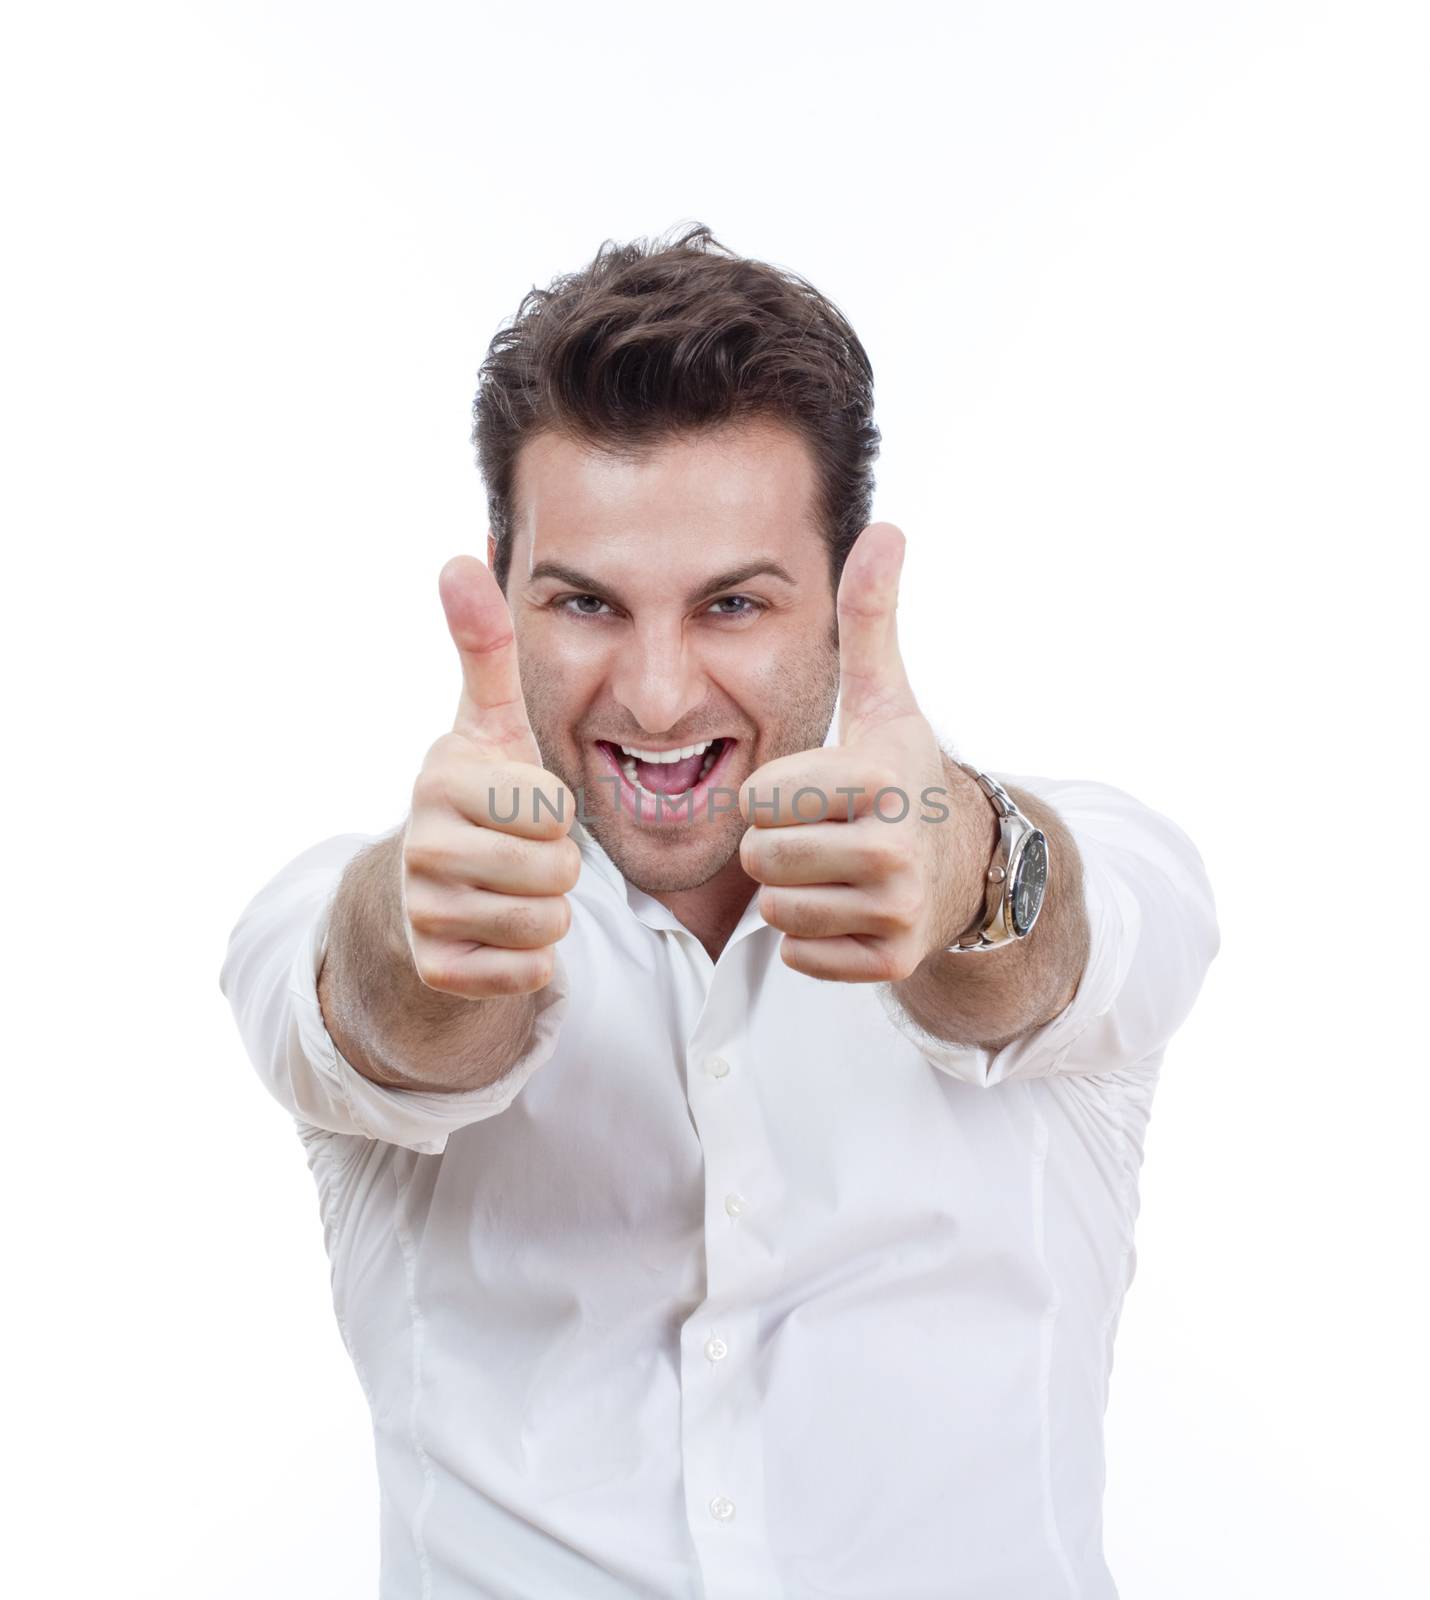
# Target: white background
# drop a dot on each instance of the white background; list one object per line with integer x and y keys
{"x": 1144, "y": 286}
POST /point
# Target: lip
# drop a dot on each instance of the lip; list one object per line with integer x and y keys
{"x": 688, "y": 811}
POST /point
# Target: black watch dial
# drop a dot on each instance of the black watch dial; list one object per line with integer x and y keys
{"x": 1030, "y": 883}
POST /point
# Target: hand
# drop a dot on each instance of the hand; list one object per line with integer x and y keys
{"x": 859, "y": 896}
{"x": 484, "y": 901}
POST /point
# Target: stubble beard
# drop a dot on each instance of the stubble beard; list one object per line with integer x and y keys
{"x": 666, "y": 859}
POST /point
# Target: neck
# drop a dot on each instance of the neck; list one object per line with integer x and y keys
{"x": 712, "y": 910}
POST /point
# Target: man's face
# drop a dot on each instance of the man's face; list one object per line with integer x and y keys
{"x": 666, "y": 602}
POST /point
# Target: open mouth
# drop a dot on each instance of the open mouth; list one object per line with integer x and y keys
{"x": 667, "y": 785}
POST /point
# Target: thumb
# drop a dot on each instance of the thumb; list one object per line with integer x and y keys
{"x": 492, "y": 709}
{"x": 873, "y": 687}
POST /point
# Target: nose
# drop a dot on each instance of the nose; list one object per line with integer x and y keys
{"x": 658, "y": 678}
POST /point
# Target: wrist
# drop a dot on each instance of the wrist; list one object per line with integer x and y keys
{"x": 972, "y": 847}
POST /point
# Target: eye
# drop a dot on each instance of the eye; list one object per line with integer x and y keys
{"x": 571, "y": 603}
{"x": 749, "y": 607}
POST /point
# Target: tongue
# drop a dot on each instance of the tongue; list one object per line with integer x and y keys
{"x": 670, "y": 777}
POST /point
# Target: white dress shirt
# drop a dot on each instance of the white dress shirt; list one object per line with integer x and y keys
{"x": 738, "y": 1285}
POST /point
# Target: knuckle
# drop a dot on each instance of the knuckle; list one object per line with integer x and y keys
{"x": 556, "y": 918}
{"x": 881, "y": 778}
{"x": 501, "y": 778}
{"x": 793, "y": 952}
{"x": 508, "y": 848}
{"x": 423, "y": 858}
{"x": 751, "y": 853}
{"x": 493, "y": 858}
{"x": 433, "y": 784}
{"x": 442, "y": 974}
{"x": 786, "y": 854}
{"x": 877, "y": 968}
{"x": 503, "y": 979}
{"x": 520, "y": 974}
{"x": 885, "y": 965}
{"x": 568, "y": 866}
{"x": 516, "y": 925}
{"x": 508, "y": 851}
{"x": 428, "y": 788}
{"x": 903, "y": 960}
{"x": 424, "y": 918}
{"x": 882, "y": 852}
{"x": 902, "y": 905}
{"x": 448, "y": 746}
{"x": 553, "y": 814}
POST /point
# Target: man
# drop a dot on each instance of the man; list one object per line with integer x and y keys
{"x": 701, "y": 1222}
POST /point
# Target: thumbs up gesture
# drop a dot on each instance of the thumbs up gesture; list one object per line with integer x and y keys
{"x": 487, "y": 861}
{"x": 860, "y": 872}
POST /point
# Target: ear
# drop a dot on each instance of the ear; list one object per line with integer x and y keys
{"x": 491, "y": 548}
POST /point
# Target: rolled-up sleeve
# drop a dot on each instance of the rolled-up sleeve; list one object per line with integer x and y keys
{"x": 1153, "y": 933}
{"x": 269, "y": 977}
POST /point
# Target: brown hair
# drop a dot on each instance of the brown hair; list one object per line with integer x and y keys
{"x": 655, "y": 339}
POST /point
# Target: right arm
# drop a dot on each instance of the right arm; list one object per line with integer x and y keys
{"x": 405, "y": 988}
{"x": 389, "y": 1022}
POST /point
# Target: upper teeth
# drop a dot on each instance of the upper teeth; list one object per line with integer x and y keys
{"x": 665, "y": 756}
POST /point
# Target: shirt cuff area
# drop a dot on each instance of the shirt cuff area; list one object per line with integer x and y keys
{"x": 417, "y": 1119}
{"x": 1114, "y": 926}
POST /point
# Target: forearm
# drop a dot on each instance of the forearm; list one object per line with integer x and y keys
{"x": 383, "y": 1018}
{"x": 995, "y": 996}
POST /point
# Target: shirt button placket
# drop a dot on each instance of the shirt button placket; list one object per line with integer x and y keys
{"x": 721, "y": 1423}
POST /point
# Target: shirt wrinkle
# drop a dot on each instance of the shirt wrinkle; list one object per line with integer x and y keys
{"x": 741, "y": 1285}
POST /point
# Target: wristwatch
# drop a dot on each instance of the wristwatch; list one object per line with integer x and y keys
{"x": 1017, "y": 879}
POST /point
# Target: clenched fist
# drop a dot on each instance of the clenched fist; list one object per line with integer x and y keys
{"x": 484, "y": 901}
{"x": 866, "y": 883}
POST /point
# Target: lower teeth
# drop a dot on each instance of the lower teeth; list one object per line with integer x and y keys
{"x": 628, "y": 766}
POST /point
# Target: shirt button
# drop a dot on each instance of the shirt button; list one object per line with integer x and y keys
{"x": 734, "y": 1204}
{"x": 716, "y": 1066}
{"x": 715, "y": 1347}
{"x": 721, "y": 1508}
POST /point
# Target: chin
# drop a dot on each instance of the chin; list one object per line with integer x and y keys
{"x": 665, "y": 861}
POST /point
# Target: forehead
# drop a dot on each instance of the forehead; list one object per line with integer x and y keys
{"x": 680, "y": 508}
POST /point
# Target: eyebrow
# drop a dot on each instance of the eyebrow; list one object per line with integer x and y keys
{"x": 725, "y": 580}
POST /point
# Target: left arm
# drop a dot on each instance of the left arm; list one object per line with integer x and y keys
{"x": 993, "y": 997}
{"x": 1128, "y": 926}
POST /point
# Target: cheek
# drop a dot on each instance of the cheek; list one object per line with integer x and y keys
{"x": 569, "y": 662}
{"x": 786, "y": 671}
{"x": 764, "y": 685}
{"x": 785, "y": 689}
{"x": 749, "y": 677}
{"x": 575, "y": 648}
{"x": 559, "y": 676}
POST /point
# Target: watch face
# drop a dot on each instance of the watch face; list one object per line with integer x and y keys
{"x": 1030, "y": 883}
